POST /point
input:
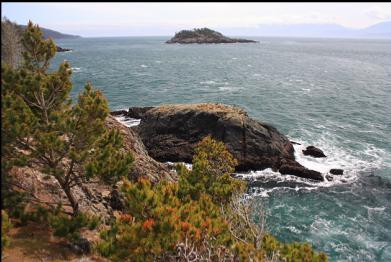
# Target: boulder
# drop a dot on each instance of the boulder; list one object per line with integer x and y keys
{"x": 314, "y": 152}
{"x": 289, "y": 167}
{"x": 336, "y": 171}
{"x": 171, "y": 132}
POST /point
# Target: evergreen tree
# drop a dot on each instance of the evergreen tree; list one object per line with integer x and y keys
{"x": 41, "y": 126}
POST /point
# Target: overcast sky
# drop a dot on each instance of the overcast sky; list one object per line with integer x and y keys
{"x": 126, "y": 19}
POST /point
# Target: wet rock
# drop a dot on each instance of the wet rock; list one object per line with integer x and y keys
{"x": 289, "y": 167}
{"x": 314, "y": 152}
{"x": 336, "y": 171}
{"x": 295, "y": 143}
{"x": 119, "y": 113}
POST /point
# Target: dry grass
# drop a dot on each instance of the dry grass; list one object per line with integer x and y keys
{"x": 209, "y": 107}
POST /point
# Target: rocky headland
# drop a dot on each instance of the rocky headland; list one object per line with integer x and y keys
{"x": 204, "y": 36}
{"x": 171, "y": 132}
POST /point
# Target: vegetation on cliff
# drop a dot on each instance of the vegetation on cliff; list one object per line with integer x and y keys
{"x": 203, "y": 217}
{"x": 68, "y": 142}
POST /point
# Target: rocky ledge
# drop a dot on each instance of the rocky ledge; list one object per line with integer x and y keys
{"x": 204, "y": 36}
{"x": 171, "y": 132}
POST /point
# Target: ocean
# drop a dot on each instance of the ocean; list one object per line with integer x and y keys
{"x": 331, "y": 93}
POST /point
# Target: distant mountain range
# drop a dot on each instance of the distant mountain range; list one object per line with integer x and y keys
{"x": 380, "y": 30}
{"x": 54, "y": 34}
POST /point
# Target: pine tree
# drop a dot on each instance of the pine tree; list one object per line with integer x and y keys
{"x": 41, "y": 126}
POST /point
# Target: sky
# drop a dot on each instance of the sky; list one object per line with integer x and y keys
{"x": 139, "y": 19}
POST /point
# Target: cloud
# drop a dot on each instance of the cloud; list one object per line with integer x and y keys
{"x": 378, "y": 13}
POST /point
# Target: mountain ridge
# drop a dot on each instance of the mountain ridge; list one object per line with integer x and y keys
{"x": 54, "y": 34}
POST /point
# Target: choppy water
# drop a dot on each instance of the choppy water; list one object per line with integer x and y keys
{"x": 334, "y": 94}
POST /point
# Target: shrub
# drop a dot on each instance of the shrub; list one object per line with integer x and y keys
{"x": 5, "y": 228}
{"x": 203, "y": 217}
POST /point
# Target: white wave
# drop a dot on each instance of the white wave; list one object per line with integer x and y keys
{"x": 337, "y": 157}
{"x": 234, "y": 58}
{"x": 76, "y": 69}
{"x": 143, "y": 66}
{"x": 158, "y": 61}
{"x": 209, "y": 82}
{"x": 127, "y": 121}
{"x": 375, "y": 208}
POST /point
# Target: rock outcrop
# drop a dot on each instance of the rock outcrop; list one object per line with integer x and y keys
{"x": 313, "y": 151}
{"x": 204, "y": 36}
{"x": 171, "y": 132}
{"x": 336, "y": 171}
{"x": 289, "y": 167}
{"x": 143, "y": 164}
{"x": 60, "y": 49}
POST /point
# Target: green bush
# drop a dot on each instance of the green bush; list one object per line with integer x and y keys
{"x": 5, "y": 228}
{"x": 70, "y": 226}
{"x": 194, "y": 217}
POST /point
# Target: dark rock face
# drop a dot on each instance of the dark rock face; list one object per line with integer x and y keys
{"x": 119, "y": 113}
{"x": 204, "y": 36}
{"x": 336, "y": 171}
{"x": 171, "y": 132}
{"x": 138, "y": 112}
{"x": 289, "y": 167}
{"x": 313, "y": 151}
{"x": 116, "y": 201}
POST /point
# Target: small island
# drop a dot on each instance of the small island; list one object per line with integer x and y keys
{"x": 204, "y": 36}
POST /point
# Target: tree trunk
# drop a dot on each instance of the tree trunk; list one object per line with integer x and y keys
{"x": 72, "y": 200}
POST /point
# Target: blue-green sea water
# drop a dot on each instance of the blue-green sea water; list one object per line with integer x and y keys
{"x": 331, "y": 93}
